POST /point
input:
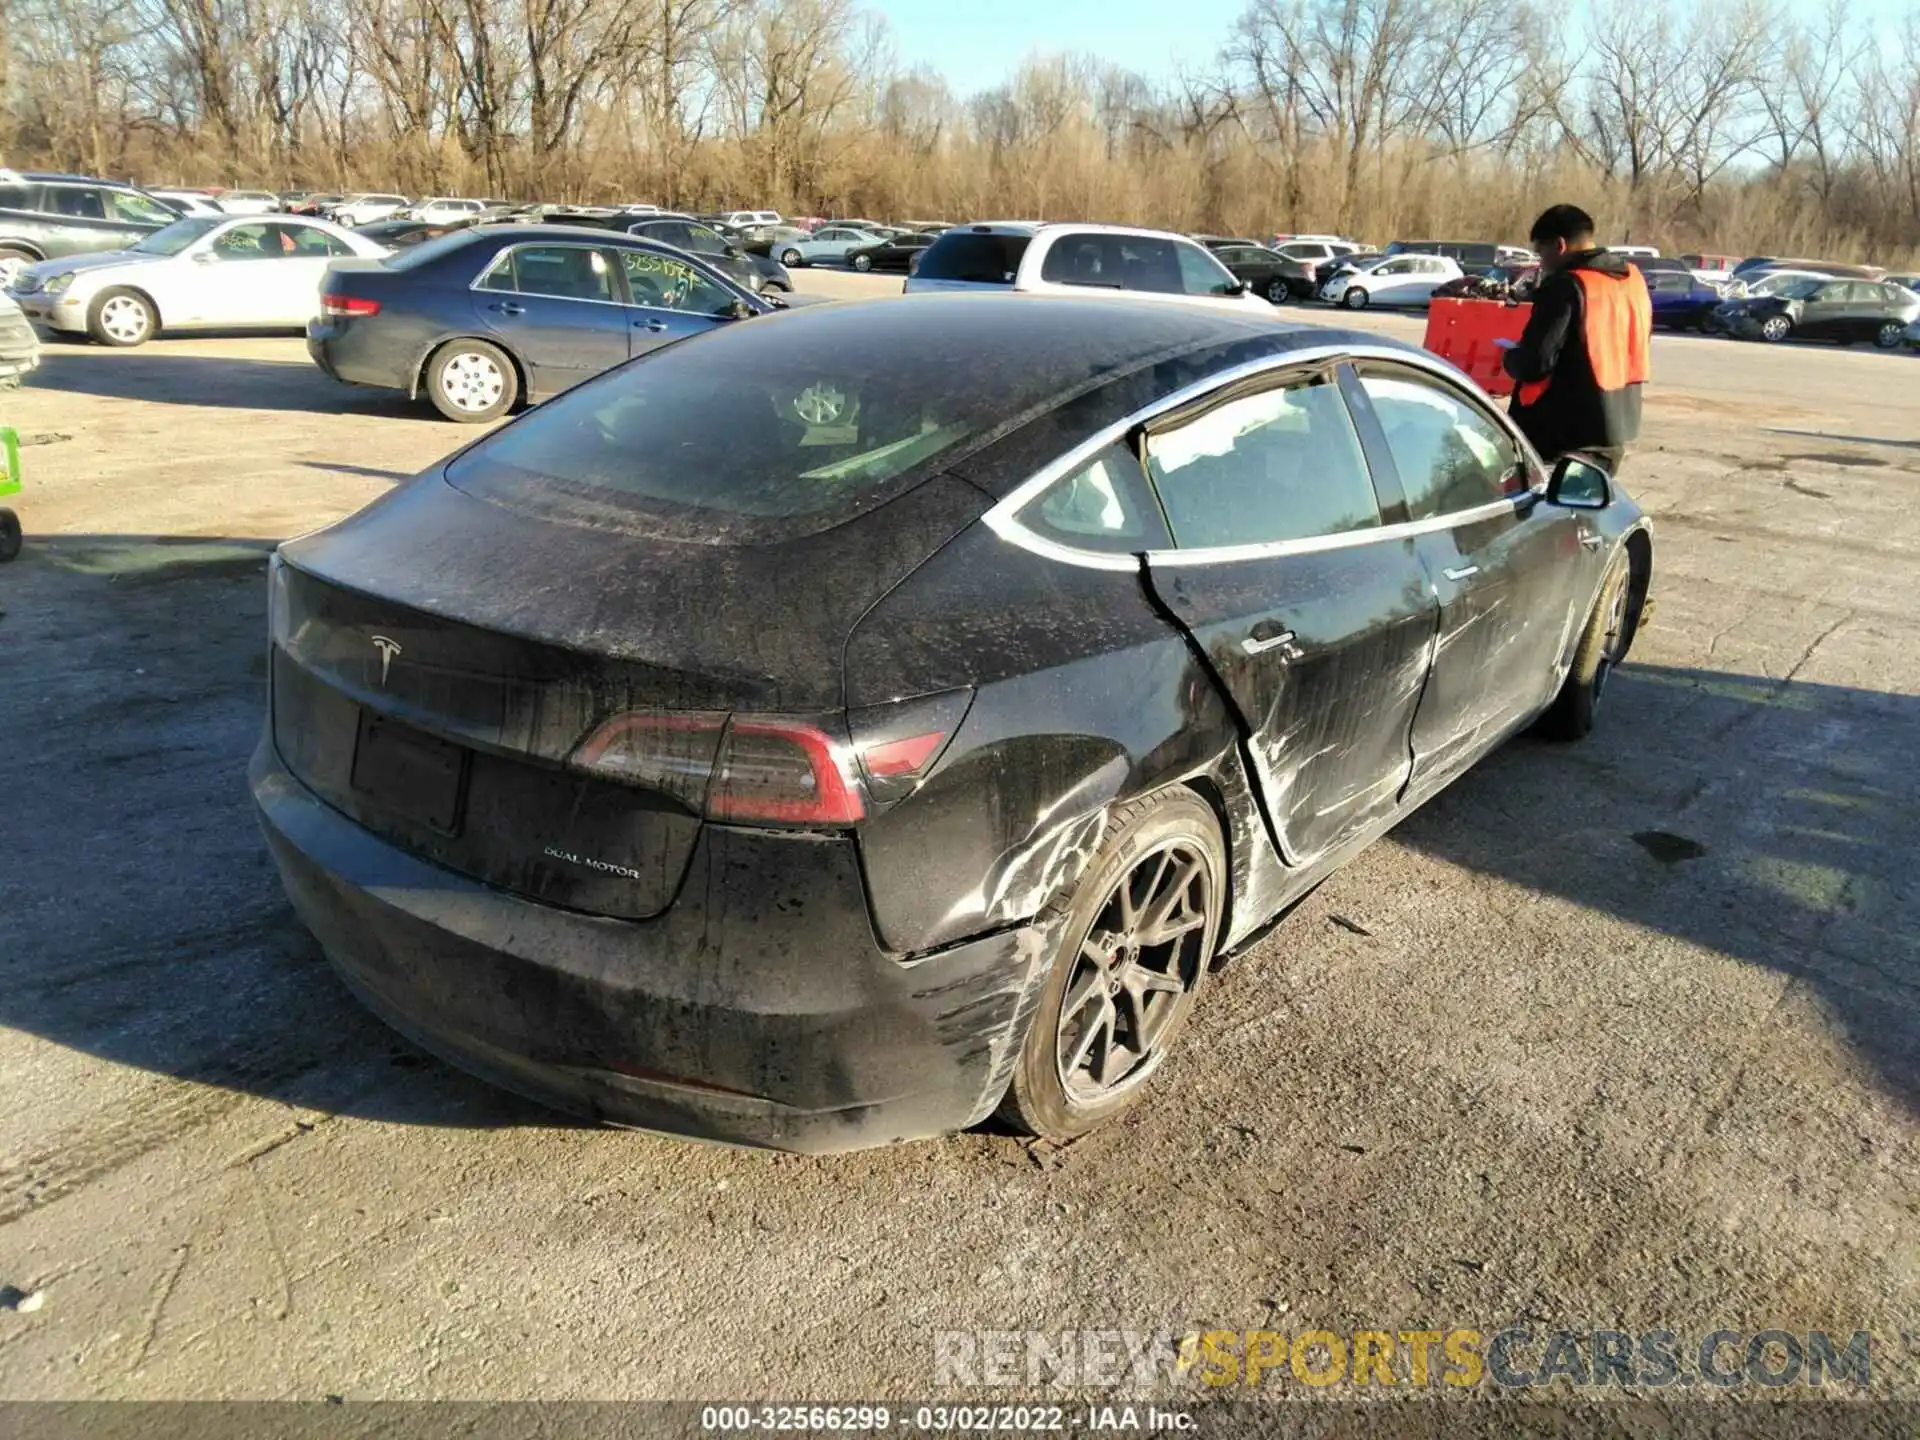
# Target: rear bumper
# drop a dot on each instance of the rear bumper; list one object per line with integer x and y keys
{"x": 757, "y": 1010}
{"x": 352, "y": 355}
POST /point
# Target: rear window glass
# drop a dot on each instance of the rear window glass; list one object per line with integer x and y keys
{"x": 697, "y": 442}
{"x": 978, "y": 259}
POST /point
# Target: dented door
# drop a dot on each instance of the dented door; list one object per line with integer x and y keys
{"x": 1323, "y": 655}
{"x": 1315, "y": 619}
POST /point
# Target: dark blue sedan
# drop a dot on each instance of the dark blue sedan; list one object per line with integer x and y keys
{"x": 1681, "y": 300}
{"x": 481, "y": 318}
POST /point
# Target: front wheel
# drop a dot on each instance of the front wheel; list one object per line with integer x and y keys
{"x": 1355, "y": 298}
{"x": 1136, "y": 936}
{"x": 122, "y": 318}
{"x": 792, "y": 259}
{"x": 1775, "y": 328}
{"x": 863, "y": 263}
{"x": 1603, "y": 645}
{"x": 472, "y": 382}
{"x": 1889, "y": 335}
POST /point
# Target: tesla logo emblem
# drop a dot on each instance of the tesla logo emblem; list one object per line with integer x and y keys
{"x": 388, "y": 649}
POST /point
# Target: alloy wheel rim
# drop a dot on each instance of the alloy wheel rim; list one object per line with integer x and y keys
{"x": 472, "y": 382}
{"x": 1277, "y": 291}
{"x": 1610, "y": 639}
{"x": 1890, "y": 335}
{"x": 124, "y": 318}
{"x": 1775, "y": 328}
{"x": 791, "y": 258}
{"x": 1134, "y": 973}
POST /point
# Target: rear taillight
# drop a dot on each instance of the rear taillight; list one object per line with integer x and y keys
{"x": 777, "y": 769}
{"x": 348, "y": 305}
{"x": 786, "y": 772}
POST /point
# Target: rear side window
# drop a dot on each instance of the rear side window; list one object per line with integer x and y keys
{"x": 73, "y": 201}
{"x": 972, "y": 257}
{"x": 1104, "y": 505}
{"x": 1115, "y": 262}
{"x": 563, "y": 272}
{"x": 1281, "y": 464}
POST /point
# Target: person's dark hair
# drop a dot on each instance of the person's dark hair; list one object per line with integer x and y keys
{"x": 1562, "y": 222}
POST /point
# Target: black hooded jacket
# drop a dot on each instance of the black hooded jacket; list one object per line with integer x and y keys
{"x": 1574, "y": 413}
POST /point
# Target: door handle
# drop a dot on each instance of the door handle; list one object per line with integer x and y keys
{"x": 507, "y": 307}
{"x": 657, "y": 326}
{"x": 1262, "y": 640}
{"x": 1462, "y": 572}
{"x": 1592, "y": 541}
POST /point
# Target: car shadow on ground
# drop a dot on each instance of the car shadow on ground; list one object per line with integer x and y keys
{"x": 141, "y": 921}
{"x": 223, "y": 382}
{"x": 1772, "y": 821}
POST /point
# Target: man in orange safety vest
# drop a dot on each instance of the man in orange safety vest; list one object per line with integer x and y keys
{"x": 1583, "y": 357}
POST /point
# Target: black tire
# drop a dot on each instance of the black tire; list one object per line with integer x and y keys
{"x": 1889, "y": 335}
{"x": 793, "y": 259}
{"x": 122, "y": 318}
{"x": 1173, "y": 841}
{"x": 9, "y": 535}
{"x": 471, "y": 381}
{"x": 1355, "y": 298}
{"x": 1775, "y": 328}
{"x": 1602, "y": 647}
{"x": 12, "y": 261}
{"x": 862, "y": 263}
{"x": 1278, "y": 292}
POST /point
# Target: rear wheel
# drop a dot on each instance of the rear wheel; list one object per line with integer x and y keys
{"x": 1889, "y": 335}
{"x": 1355, "y": 298}
{"x": 122, "y": 318}
{"x": 471, "y": 381}
{"x": 9, "y": 535}
{"x": 1277, "y": 292}
{"x": 1603, "y": 645}
{"x": 1775, "y": 328}
{"x": 1136, "y": 936}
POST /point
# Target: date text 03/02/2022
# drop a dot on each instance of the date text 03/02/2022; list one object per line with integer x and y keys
{"x": 938, "y": 1419}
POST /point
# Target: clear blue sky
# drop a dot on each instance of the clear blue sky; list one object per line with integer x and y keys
{"x": 979, "y": 43}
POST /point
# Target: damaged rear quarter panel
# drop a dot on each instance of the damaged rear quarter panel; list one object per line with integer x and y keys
{"x": 1085, "y": 697}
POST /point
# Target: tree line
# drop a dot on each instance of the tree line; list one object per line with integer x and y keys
{"x": 1729, "y": 124}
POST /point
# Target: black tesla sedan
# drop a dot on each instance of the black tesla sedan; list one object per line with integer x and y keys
{"x": 777, "y": 741}
{"x": 480, "y": 318}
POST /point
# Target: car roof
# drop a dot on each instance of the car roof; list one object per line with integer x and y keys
{"x": 1056, "y": 345}
{"x": 1032, "y": 229}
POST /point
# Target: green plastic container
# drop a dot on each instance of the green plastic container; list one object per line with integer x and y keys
{"x": 10, "y": 454}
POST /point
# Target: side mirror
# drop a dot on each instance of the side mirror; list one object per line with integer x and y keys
{"x": 205, "y": 257}
{"x": 742, "y": 311}
{"x": 1580, "y": 484}
{"x": 1238, "y": 287}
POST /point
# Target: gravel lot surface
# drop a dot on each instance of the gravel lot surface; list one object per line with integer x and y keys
{"x": 1617, "y": 1036}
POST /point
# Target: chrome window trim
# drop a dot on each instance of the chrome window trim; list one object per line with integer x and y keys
{"x": 510, "y": 248}
{"x": 1003, "y": 520}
